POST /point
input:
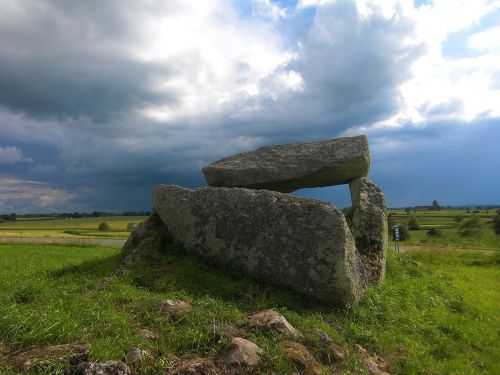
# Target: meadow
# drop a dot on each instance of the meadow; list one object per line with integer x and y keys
{"x": 436, "y": 313}
{"x": 86, "y": 227}
{"x": 448, "y": 225}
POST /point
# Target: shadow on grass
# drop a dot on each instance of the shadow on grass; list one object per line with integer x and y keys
{"x": 175, "y": 271}
{"x": 98, "y": 267}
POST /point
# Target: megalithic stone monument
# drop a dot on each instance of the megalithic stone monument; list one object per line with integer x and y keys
{"x": 245, "y": 219}
{"x": 289, "y": 167}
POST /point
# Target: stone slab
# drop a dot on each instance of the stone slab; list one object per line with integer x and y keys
{"x": 288, "y": 167}
{"x": 302, "y": 244}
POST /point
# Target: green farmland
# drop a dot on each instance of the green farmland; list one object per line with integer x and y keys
{"x": 448, "y": 223}
{"x": 86, "y": 227}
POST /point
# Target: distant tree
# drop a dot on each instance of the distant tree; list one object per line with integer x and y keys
{"x": 436, "y": 205}
{"x": 104, "y": 227}
{"x": 434, "y": 232}
{"x": 458, "y": 218}
{"x": 470, "y": 227}
{"x": 498, "y": 211}
{"x": 413, "y": 224}
{"x": 407, "y": 210}
{"x": 496, "y": 224}
{"x": 95, "y": 214}
{"x": 404, "y": 234}
{"x": 131, "y": 226}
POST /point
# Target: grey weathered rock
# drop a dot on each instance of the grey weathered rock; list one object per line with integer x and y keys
{"x": 195, "y": 366}
{"x": 174, "y": 308}
{"x": 103, "y": 368}
{"x": 273, "y": 321}
{"x": 149, "y": 234}
{"x": 299, "y": 354}
{"x": 146, "y": 334}
{"x": 29, "y": 359}
{"x": 289, "y": 167}
{"x": 302, "y": 244}
{"x": 321, "y": 336}
{"x": 240, "y": 352}
{"x": 369, "y": 229}
{"x": 374, "y": 363}
{"x": 134, "y": 355}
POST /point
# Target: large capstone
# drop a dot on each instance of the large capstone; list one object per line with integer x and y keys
{"x": 369, "y": 227}
{"x": 302, "y": 244}
{"x": 289, "y": 167}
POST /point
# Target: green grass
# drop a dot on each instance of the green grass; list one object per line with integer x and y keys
{"x": 444, "y": 220}
{"x": 80, "y": 228}
{"x": 435, "y": 313}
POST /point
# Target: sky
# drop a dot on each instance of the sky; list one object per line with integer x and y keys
{"x": 103, "y": 99}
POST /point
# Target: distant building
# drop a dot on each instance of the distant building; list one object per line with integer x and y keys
{"x": 426, "y": 208}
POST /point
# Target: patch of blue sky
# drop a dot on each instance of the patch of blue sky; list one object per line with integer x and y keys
{"x": 455, "y": 46}
{"x": 419, "y": 3}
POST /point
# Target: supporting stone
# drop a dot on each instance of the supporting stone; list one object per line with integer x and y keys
{"x": 369, "y": 229}
{"x": 302, "y": 244}
{"x": 289, "y": 167}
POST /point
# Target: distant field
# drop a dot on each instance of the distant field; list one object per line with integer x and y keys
{"x": 74, "y": 228}
{"x": 444, "y": 220}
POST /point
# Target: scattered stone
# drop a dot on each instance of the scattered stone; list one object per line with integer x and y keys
{"x": 134, "y": 356}
{"x": 321, "y": 336}
{"x": 227, "y": 331}
{"x": 174, "y": 309}
{"x": 146, "y": 334}
{"x": 289, "y": 167}
{"x": 299, "y": 354}
{"x": 337, "y": 353}
{"x": 240, "y": 352}
{"x": 28, "y": 359}
{"x": 148, "y": 234}
{"x": 302, "y": 244}
{"x": 369, "y": 229}
{"x": 374, "y": 363}
{"x": 197, "y": 366}
{"x": 272, "y": 320}
{"x": 104, "y": 368}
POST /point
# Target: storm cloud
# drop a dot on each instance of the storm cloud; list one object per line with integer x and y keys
{"x": 100, "y": 101}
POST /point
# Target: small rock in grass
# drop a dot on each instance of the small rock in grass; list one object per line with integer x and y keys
{"x": 336, "y": 352}
{"x": 103, "y": 368}
{"x": 197, "y": 366}
{"x": 134, "y": 356}
{"x": 241, "y": 352}
{"x": 28, "y": 359}
{"x": 299, "y": 354}
{"x": 374, "y": 363}
{"x": 146, "y": 334}
{"x": 174, "y": 309}
{"x": 321, "y": 336}
{"x": 271, "y": 320}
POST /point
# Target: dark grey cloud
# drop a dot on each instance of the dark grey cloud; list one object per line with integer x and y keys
{"x": 74, "y": 87}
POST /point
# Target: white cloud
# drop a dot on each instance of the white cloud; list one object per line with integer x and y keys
{"x": 16, "y": 194}
{"x": 12, "y": 155}
{"x": 439, "y": 82}
{"x": 486, "y": 41}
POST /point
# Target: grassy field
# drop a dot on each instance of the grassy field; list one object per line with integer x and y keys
{"x": 434, "y": 314}
{"x": 75, "y": 228}
{"x": 444, "y": 220}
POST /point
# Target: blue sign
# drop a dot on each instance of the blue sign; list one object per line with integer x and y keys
{"x": 395, "y": 233}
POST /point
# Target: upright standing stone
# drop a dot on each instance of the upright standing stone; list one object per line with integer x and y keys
{"x": 299, "y": 243}
{"x": 289, "y": 167}
{"x": 369, "y": 228}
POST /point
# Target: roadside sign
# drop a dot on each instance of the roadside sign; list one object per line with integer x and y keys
{"x": 396, "y": 237}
